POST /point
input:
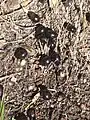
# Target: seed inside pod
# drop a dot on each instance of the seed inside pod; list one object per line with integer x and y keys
{"x": 34, "y": 17}
{"x": 20, "y": 53}
{"x": 1, "y": 92}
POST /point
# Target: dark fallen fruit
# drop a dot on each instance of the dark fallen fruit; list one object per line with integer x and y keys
{"x": 1, "y": 92}
{"x": 31, "y": 114}
{"x": 39, "y": 31}
{"x": 34, "y": 17}
{"x": 69, "y": 27}
{"x": 44, "y": 92}
{"x": 50, "y": 33}
{"x": 20, "y": 116}
{"x": 54, "y": 57}
{"x": 44, "y": 60}
{"x": 20, "y": 53}
{"x": 88, "y": 16}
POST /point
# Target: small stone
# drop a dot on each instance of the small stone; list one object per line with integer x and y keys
{"x": 31, "y": 88}
{"x": 13, "y": 79}
{"x": 62, "y": 74}
{"x": 23, "y": 62}
{"x": 10, "y": 83}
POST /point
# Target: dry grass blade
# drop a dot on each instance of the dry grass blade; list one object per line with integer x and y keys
{"x": 53, "y": 3}
{"x": 1, "y": 110}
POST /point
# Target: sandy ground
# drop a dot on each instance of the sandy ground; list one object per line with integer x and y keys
{"x": 70, "y": 83}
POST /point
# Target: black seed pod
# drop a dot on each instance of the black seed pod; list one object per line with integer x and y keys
{"x": 20, "y": 53}
{"x": 34, "y": 17}
{"x": 44, "y": 60}
{"x": 20, "y": 116}
{"x": 44, "y": 92}
{"x": 41, "y": 1}
{"x": 69, "y": 27}
{"x": 88, "y": 16}
{"x": 50, "y": 33}
{"x": 63, "y": 0}
{"x": 66, "y": 3}
{"x": 54, "y": 57}
{"x": 40, "y": 31}
{"x": 44, "y": 32}
{"x": 31, "y": 114}
{"x": 1, "y": 92}
{"x": 51, "y": 44}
